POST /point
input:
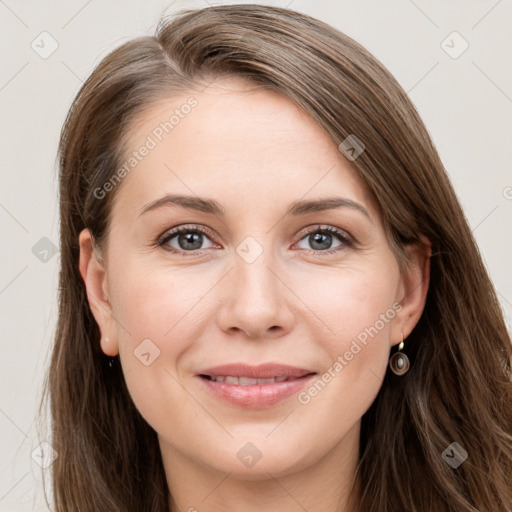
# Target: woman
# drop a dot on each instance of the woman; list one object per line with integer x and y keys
{"x": 269, "y": 294}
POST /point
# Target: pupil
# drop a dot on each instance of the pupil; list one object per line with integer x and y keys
{"x": 324, "y": 239}
{"x": 194, "y": 239}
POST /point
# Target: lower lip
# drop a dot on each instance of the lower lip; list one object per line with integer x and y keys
{"x": 257, "y": 396}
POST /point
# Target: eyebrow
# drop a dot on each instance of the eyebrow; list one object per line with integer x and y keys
{"x": 210, "y": 206}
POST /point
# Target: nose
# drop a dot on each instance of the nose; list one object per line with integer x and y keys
{"x": 255, "y": 300}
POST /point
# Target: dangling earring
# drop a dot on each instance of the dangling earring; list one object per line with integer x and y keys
{"x": 399, "y": 362}
{"x": 112, "y": 360}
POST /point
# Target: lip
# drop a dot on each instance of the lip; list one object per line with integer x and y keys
{"x": 255, "y": 396}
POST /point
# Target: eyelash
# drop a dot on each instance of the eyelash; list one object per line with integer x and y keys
{"x": 169, "y": 235}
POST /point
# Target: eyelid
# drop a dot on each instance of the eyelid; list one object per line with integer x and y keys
{"x": 346, "y": 239}
{"x": 172, "y": 232}
{"x": 312, "y": 228}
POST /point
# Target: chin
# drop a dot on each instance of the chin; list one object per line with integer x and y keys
{"x": 253, "y": 461}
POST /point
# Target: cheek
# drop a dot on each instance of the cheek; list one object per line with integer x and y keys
{"x": 347, "y": 301}
{"x": 156, "y": 318}
{"x": 158, "y": 304}
{"x": 357, "y": 308}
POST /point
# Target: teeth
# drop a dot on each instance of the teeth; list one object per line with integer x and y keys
{"x": 246, "y": 381}
{"x": 271, "y": 380}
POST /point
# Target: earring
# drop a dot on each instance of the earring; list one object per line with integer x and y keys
{"x": 106, "y": 339}
{"x": 399, "y": 362}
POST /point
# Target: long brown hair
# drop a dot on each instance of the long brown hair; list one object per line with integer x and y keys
{"x": 459, "y": 386}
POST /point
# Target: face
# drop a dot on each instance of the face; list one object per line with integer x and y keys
{"x": 256, "y": 275}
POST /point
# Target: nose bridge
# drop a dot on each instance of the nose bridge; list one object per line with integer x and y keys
{"x": 255, "y": 282}
{"x": 256, "y": 301}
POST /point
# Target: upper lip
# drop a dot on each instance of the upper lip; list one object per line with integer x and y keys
{"x": 262, "y": 371}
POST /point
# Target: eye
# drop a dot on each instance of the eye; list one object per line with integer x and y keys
{"x": 185, "y": 239}
{"x": 191, "y": 238}
{"x": 322, "y": 238}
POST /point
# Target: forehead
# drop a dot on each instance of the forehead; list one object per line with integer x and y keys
{"x": 239, "y": 142}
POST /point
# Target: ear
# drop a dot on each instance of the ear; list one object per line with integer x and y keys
{"x": 93, "y": 272}
{"x": 414, "y": 283}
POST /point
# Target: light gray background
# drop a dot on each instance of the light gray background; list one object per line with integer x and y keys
{"x": 466, "y": 103}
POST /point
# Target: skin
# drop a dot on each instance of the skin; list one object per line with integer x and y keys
{"x": 255, "y": 153}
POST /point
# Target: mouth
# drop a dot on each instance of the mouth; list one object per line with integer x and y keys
{"x": 254, "y": 387}
{"x": 241, "y": 373}
{"x": 249, "y": 381}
